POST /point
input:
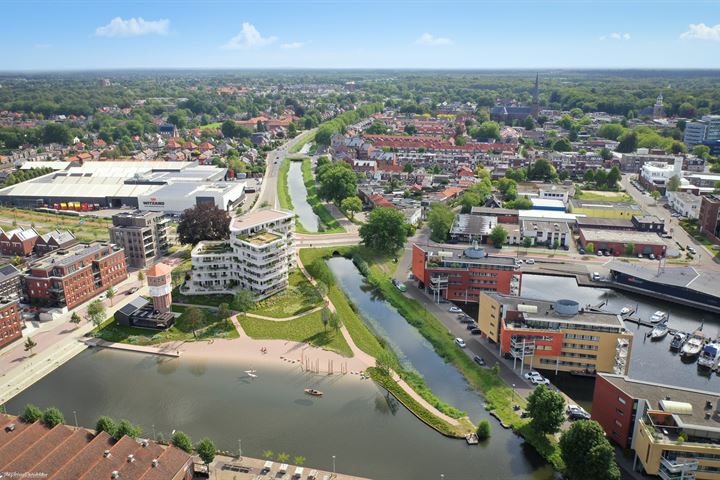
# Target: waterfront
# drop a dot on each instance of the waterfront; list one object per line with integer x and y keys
{"x": 298, "y": 195}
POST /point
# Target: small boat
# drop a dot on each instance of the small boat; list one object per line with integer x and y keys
{"x": 659, "y": 332}
{"x": 658, "y": 317}
{"x": 693, "y": 345}
{"x": 677, "y": 342}
{"x": 313, "y": 392}
{"x": 709, "y": 356}
{"x": 251, "y": 373}
{"x": 625, "y": 311}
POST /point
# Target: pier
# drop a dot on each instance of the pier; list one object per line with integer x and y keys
{"x": 168, "y": 350}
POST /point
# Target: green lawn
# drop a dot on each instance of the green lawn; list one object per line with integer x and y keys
{"x": 298, "y": 298}
{"x": 282, "y": 187}
{"x": 305, "y": 138}
{"x": 308, "y": 329}
{"x": 211, "y": 125}
{"x": 178, "y": 273}
{"x": 330, "y": 225}
{"x": 209, "y": 327}
{"x": 604, "y": 196}
{"x": 207, "y": 300}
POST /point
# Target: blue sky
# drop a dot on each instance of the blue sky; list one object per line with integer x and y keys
{"x": 100, "y": 34}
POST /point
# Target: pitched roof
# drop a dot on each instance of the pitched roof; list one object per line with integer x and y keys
{"x": 158, "y": 270}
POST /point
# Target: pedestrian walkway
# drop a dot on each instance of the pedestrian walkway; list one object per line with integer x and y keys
{"x": 284, "y": 319}
{"x": 171, "y": 349}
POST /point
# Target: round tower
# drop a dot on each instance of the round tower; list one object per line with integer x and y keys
{"x": 159, "y": 280}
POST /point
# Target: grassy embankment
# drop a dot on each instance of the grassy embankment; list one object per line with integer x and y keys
{"x": 497, "y": 394}
{"x": 86, "y": 228}
{"x": 305, "y": 138}
{"x": 209, "y": 326}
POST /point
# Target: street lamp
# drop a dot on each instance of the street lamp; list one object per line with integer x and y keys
{"x": 239, "y": 449}
{"x": 512, "y": 395}
{"x": 333, "y": 465}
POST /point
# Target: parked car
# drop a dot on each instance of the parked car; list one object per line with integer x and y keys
{"x": 599, "y": 253}
{"x": 651, "y": 256}
{"x": 479, "y": 360}
{"x": 691, "y": 249}
{"x": 595, "y": 276}
{"x": 399, "y": 285}
{"x": 102, "y": 296}
{"x": 640, "y": 255}
{"x": 475, "y": 331}
{"x": 454, "y": 309}
{"x": 133, "y": 290}
{"x": 518, "y": 261}
{"x": 581, "y": 251}
{"x": 577, "y": 413}
{"x": 467, "y": 320}
{"x": 460, "y": 342}
{"x": 530, "y": 261}
{"x": 471, "y": 326}
{"x": 536, "y": 379}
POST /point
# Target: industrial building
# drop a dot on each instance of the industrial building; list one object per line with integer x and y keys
{"x": 616, "y": 242}
{"x": 674, "y": 432}
{"x": 559, "y": 336}
{"x": 170, "y": 187}
{"x": 462, "y": 274}
{"x": 471, "y": 228}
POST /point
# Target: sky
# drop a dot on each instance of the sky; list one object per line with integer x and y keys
{"x": 428, "y": 34}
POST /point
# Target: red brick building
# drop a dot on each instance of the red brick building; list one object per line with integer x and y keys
{"x": 463, "y": 274}
{"x": 67, "y": 278}
{"x": 614, "y": 409}
{"x": 710, "y": 217}
{"x": 10, "y": 322}
{"x": 19, "y": 241}
{"x": 54, "y": 240}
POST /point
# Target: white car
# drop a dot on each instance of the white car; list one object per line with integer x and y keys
{"x": 460, "y": 342}
{"x": 536, "y": 379}
{"x": 454, "y": 309}
{"x": 530, "y": 261}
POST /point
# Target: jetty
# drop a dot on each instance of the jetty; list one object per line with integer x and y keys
{"x": 166, "y": 351}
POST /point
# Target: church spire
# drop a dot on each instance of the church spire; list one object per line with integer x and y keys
{"x": 536, "y": 96}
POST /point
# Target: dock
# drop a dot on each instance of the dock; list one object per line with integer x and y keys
{"x": 166, "y": 351}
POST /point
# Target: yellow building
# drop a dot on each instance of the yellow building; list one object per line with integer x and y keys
{"x": 675, "y": 432}
{"x": 604, "y": 209}
{"x": 557, "y": 336}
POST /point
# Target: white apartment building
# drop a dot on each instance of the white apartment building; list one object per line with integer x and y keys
{"x": 545, "y": 232}
{"x": 707, "y": 129}
{"x": 258, "y": 257}
{"x": 657, "y": 174}
{"x": 684, "y": 203}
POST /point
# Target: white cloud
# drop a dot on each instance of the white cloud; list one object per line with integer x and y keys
{"x": 616, "y": 36}
{"x": 292, "y": 45}
{"x": 249, "y": 37}
{"x": 429, "y": 39}
{"x": 700, "y": 31}
{"x": 133, "y": 27}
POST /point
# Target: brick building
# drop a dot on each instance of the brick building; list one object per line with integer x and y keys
{"x": 19, "y": 241}
{"x": 10, "y": 322}
{"x": 709, "y": 217}
{"x": 67, "y": 278}
{"x": 54, "y": 240}
{"x": 10, "y": 282}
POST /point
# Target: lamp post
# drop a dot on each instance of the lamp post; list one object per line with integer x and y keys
{"x": 239, "y": 449}
{"x": 333, "y": 466}
{"x": 75, "y": 415}
{"x": 512, "y": 395}
{"x": 154, "y": 435}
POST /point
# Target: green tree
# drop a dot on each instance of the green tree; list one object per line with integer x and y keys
{"x": 541, "y": 169}
{"x": 468, "y": 200}
{"x": 52, "y": 416}
{"x": 194, "y": 318}
{"x": 673, "y": 184}
{"x": 601, "y": 176}
{"x": 384, "y": 362}
{"x": 206, "y": 450}
{"x": 243, "y": 301}
{"x": 75, "y": 318}
{"x": 498, "y": 236}
{"x": 410, "y": 129}
{"x": 224, "y": 312}
{"x": 110, "y": 293}
{"x": 547, "y": 409}
{"x": 408, "y": 167}
{"x": 590, "y": 247}
{"x": 283, "y": 457}
{"x": 107, "y": 425}
{"x": 440, "y": 219}
{"x": 486, "y": 131}
{"x": 483, "y": 430}
{"x": 589, "y": 176}
{"x": 182, "y": 441}
{"x": 96, "y": 312}
{"x": 605, "y": 154}
{"x": 31, "y": 414}
{"x": 124, "y": 427}
{"x": 299, "y": 460}
{"x": 203, "y": 222}
{"x": 520, "y": 203}
{"x": 611, "y": 131}
{"x": 335, "y": 322}
{"x": 587, "y": 454}
{"x": 529, "y": 123}
{"x": 325, "y": 317}
{"x": 629, "y": 248}
{"x": 228, "y": 128}
{"x": 377, "y": 128}
{"x": 352, "y": 205}
{"x": 384, "y": 230}
{"x": 702, "y": 151}
{"x": 628, "y": 143}
{"x": 527, "y": 242}
{"x": 562, "y": 145}
{"x": 655, "y": 194}
{"x": 337, "y": 182}
{"x": 56, "y": 133}
{"x": 30, "y": 344}
{"x": 613, "y": 177}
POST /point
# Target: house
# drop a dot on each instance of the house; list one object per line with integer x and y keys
{"x": 54, "y": 240}
{"x": 686, "y": 204}
{"x": 18, "y": 242}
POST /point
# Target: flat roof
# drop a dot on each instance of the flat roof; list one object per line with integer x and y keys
{"x": 465, "y": 224}
{"x": 547, "y": 214}
{"x": 451, "y": 253}
{"x": 701, "y": 281}
{"x": 605, "y": 222}
{"x": 492, "y": 211}
{"x": 621, "y": 236}
{"x": 604, "y": 204}
{"x": 656, "y": 392}
{"x": 258, "y": 217}
{"x": 547, "y": 202}
{"x": 529, "y": 224}
{"x": 68, "y": 256}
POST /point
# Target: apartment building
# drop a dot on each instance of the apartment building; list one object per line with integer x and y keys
{"x": 142, "y": 234}
{"x": 559, "y": 336}
{"x": 19, "y": 241}
{"x": 462, "y": 274}
{"x": 67, "y": 278}
{"x": 258, "y": 257}
{"x": 709, "y": 217}
{"x": 684, "y": 203}
{"x": 674, "y": 432}
{"x": 10, "y": 321}
{"x": 10, "y": 282}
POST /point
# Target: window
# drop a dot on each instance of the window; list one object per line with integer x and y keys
{"x": 621, "y": 400}
{"x": 619, "y": 411}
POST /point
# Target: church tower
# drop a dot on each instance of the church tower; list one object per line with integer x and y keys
{"x": 658, "y": 108}
{"x": 536, "y": 97}
{"x": 159, "y": 278}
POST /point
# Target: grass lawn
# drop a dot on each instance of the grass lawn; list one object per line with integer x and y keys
{"x": 305, "y": 138}
{"x": 298, "y": 298}
{"x": 282, "y": 188}
{"x": 208, "y": 300}
{"x": 330, "y": 225}
{"x": 209, "y": 327}
{"x": 178, "y": 273}
{"x": 308, "y": 329}
{"x": 605, "y": 196}
{"x": 86, "y": 228}
{"x": 211, "y": 125}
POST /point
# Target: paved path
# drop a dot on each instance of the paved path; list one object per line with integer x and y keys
{"x": 165, "y": 349}
{"x": 225, "y": 468}
{"x": 284, "y": 319}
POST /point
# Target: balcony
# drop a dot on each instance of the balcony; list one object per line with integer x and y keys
{"x": 678, "y": 469}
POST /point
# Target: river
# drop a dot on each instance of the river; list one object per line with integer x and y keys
{"x": 369, "y": 432}
{"x": 298, "y": 195}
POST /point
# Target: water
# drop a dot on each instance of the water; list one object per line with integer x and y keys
{"x": 298, "y": 195}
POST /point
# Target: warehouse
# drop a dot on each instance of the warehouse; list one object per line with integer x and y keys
{"x": 616, "y": 241}
{"x": 116, "y": 184}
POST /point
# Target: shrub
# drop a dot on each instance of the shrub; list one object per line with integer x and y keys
{"x": 32, "y": 414}
{"x": 483, "y": 430}
{"x": 182, "y": 441}
{"x": 106, "y": 424}
{"x": 52, "y": 416}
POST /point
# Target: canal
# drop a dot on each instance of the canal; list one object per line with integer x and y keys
{"x": 298, "y": 195}
{"x": 369, "y": 432}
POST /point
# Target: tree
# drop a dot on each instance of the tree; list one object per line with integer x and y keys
{"x": 468, "y": 200}
{"x": 283, "y": 457}
{"x": 527, "y": 242}
{"x": 182, "y": 441}
{"x": 141, "y": 277}
{"x": 206, "y": 450}
{"x": 325, "y": 317}
{"x": 628, "y": 143}
{"x": 30, "y": 344}
{"x": 299, "y": 460}
{"x": 352, "y": 205}
{"x": 587, "y": 453}
{"x": 203, "y": 222}
{"x": 334, "y": 322}
{"x": 224, "y": 312}
{"x": 107, "y": 425}
{"x": 498, "y": 236}
{"x": 655, "y": 194}
{"x": 601, "y": 176}
{"x": 75, "y": 318}
{"x": 541, "y": 169}
{"x": 590, "y": 247}
{"x": 243, "y": 301}
{"x": 110, "y": 293}
{"x": 520, "y": 203}
{"x": 611, "y": 131}
{"x": 629, "y": 248}
{"x": 605, "y": 154}
{"x": 384, "y": 230}
{"x": 440, "y": 219}
{"x": 486, "y": 131}
{"x": 673, "y": 184}
{"x": 52, "y": 416}
{"x": 377, "y": 128}
{"x": 528, "y": 123}
{"x": 408, "y": 167}
{"x": 228, "y": 128}
{"x": 547, "y": 409}
{"x": 124, "y": 427}
{"x": 31, "y": 414}
{"x": 589, "y": 176}
{"x": 613, "y": 177}
{"x": 337, "y": 181}
{"x": 483, "y": 430}
{"x": 384, "y": 362}
{"x": 56, "y": 133}
{"x": 702, "y": 151}
{"x": 96, "y": 312}
{"x": 562, "y": 145}
{"x": 410, "y": 129}
{"x": 194, "y": 319}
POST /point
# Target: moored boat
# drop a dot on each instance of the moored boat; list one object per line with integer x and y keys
{"x": 659, "y": 332}
{"x": 708, "y": 356}
{"x": 313, "y": 392}
{"x": 691, "y": 348}
{"x": 658, "y": 316}
{"x": 625, "y": 311}
{"x": 677, "y": 341}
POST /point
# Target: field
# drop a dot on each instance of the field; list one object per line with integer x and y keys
{"x": 298, "y": 298}
{"x": 86, "y": 229}
{"x": 604, "y": 196}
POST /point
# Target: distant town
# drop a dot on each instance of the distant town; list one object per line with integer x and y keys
{"x": 360, "y": 274}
